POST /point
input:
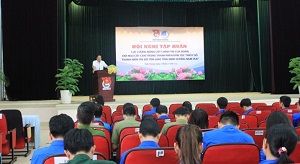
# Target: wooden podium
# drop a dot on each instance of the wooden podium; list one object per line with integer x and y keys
{"x": 104, "y": 84}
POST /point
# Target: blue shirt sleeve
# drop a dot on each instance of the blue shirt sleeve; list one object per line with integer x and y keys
{"x": 122, "y": 161}
{"x": 37, "y": 158}
{"x": 262, "y": 155}
{"x": 296, "y": 118}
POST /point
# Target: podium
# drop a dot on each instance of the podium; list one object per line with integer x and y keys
{"x": 104, "y": 84}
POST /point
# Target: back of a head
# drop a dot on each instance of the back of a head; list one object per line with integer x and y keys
{"x": 149, "y": 127}
{"x": 278, "y": 117}
{"x": 286, "y": 100}
{"x": 229, "y": 117}
{"x": 282, "y": 140}
{"x": 86, "y": 112}
{"x": 155, "y": 102}
{"x": 162, "y": 109}
{"x": 245, "y": 102}
{"x": 77, "y": 140}
{"x": 99, "y": 100}
{"x": 222, "y": 102}
{"x": 199, "y": 117}
{"x": 188, "y": 138}
{"x": 59, "y": 125}
{"x": 188, "y": 105}
{"x": 98, "y": 110}
{"x": 127, "y": 105}
{"x": 182, "y": 111}
{"x": 129, "y": 111}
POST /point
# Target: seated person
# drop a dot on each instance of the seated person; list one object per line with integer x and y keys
{"x": 296, "y": 116}
{"x": 149, "y": 135}
{"x": 79, "y": 147}
{"x": 188, "y": 145}
{"x": 99, "y": 100}
{"x": 98, "y": 114}
{"x": 59, "y": 125}
{"x": 154, "y": 103}
{"x": 85, "y": 116}
{"x": 228, "y": 132}
{"x": 222, "y": 103}
{"x": 181, "y": 116}
{"x": 280, "y": 141}
{"x": 284, "y": 102}
{"x": 199, "y": 117}
{"x": 188, "y": 105}
{"x": 129, "y": 121}
{"x": 246, "y": 105}
{"x": 162, "y": 112}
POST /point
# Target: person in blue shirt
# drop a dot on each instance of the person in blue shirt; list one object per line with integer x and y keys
{"x": 154, "y": 103}
{"x": 228, "y": 132}
{"x": 162, "y": 112}
{"x": 98, "y": 114}
{"x": 296, "y": 116}
{"x": 280, "y": 141}
{"x": 59, "y": 125}
{"x": 246, "y": 105}
{"x": 222, "y": 103}
{"x": 285, "y": 102}
{"x": 199, "y": 117}
{"x": 149, "y": 135}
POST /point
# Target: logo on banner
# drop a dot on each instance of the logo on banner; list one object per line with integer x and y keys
{"x": 106, "y": 83}
{"x": 158, "y": 34}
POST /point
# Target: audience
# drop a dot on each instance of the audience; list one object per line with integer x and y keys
{"x": 188, "y": 144}
{"x": 149, "y": 135}
{"x": 154, "y": 103}
{"x": 188, "y": 105}
{"x": 162, "y": 112}
{"x": 98, "y": 114}
{"x": 59, "y": 125}
{"x": 129, "y": 121}
{"x": 284, "y": 102}
{"x": 221, "y": 105}
{"x": 181, "y": 116}
{"x": 85, "y": 116}
{"x": 246, "y": 105}
{"x": 228, "y": 132}
{"x": 296, "y": 116}
{"x": 79, "y": 147}
{"x": 99, "y": 100}
{"x": 199, "y": 117}
{"x": 280, "y": 141}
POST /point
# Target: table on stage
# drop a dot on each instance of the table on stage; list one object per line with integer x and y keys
{"x": 33, "y": 121}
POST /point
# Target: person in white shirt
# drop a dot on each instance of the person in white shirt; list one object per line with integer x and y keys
{"x": 99, "y": 64}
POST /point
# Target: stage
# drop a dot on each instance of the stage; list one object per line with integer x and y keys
{"x": 47, "y": 108}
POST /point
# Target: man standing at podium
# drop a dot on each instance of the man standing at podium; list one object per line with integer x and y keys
{"x": 99, "y": 64}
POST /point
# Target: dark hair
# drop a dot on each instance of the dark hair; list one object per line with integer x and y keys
{"x": 188, "y": 138}
{"x": 222, "y": 102}
{"x": 286, "y": 100}
{"x": 229, "y": 117}
{"x": 155, "y": 102}
{"x": 182, "y": 111}
{"x": 188, "y": 105}
{"x": 278, "y": 117}
{"x": 86, "y": 112}
{"x": 149, "y": 127}
{"x": 161, "y": 109}
{"x": 199, "y": 117}
{"x": 279, "y": 136}
{"x": 127, "y": 105}
{"x": 149, "y": 117}
{"x": 98, "y": 111}
{"x": 129, "y": 111}
{"x": 99, "y": 100}
{"x": 59, "y": 125}
{"x": 245, "y": 102}
{"x": 77, "y": 140}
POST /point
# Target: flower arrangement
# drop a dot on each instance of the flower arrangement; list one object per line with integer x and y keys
{"x": 140, "y": 74}
{"x": 112, "y": 69}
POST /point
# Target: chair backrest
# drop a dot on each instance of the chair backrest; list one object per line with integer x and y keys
{"x": 107, "y": 136}
{"x": 120, "y": 109}
{"x": 146, "y": 108}
{"x": 205, "y": 105}
{"x": 114, "y": 114}
{"x": 151, "y": 155}
{"x": 262, "y": 124}
{"x": 271, "y": 108}
{"x": 236, "y": 153}
{"x": 290, "y": 111}
{"x": 173, "y": 107}
{"x": 260, "y": 114}
{"x": 255, "y": 105}
{"x": 257, "y": 134}
{"x": 162, "y": 122}
{"x": 232, "y": 104}
{"x": 237, "y": 110}
{"x": 251, "y": 120}
{"x": 213, "y": 121}
{"x": 293, "y": 106}
{"x": 102, "y": 146}
{"x": 211, "y": 110}
{"x": 244, "y": 126}
{"x": 3, "y": 129}
{"x": 171, "y": 134}
{"x": 107, "y": 111}
{"x": 0, "y": 142}
{"x": 128, "y": 130}
{"x": 295, "y": 155}
{"x": 290, "y": 116}
{"x": 62, "y": 158}
{"x": 277, "y": 105}
{"x": 14, "y": 120}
